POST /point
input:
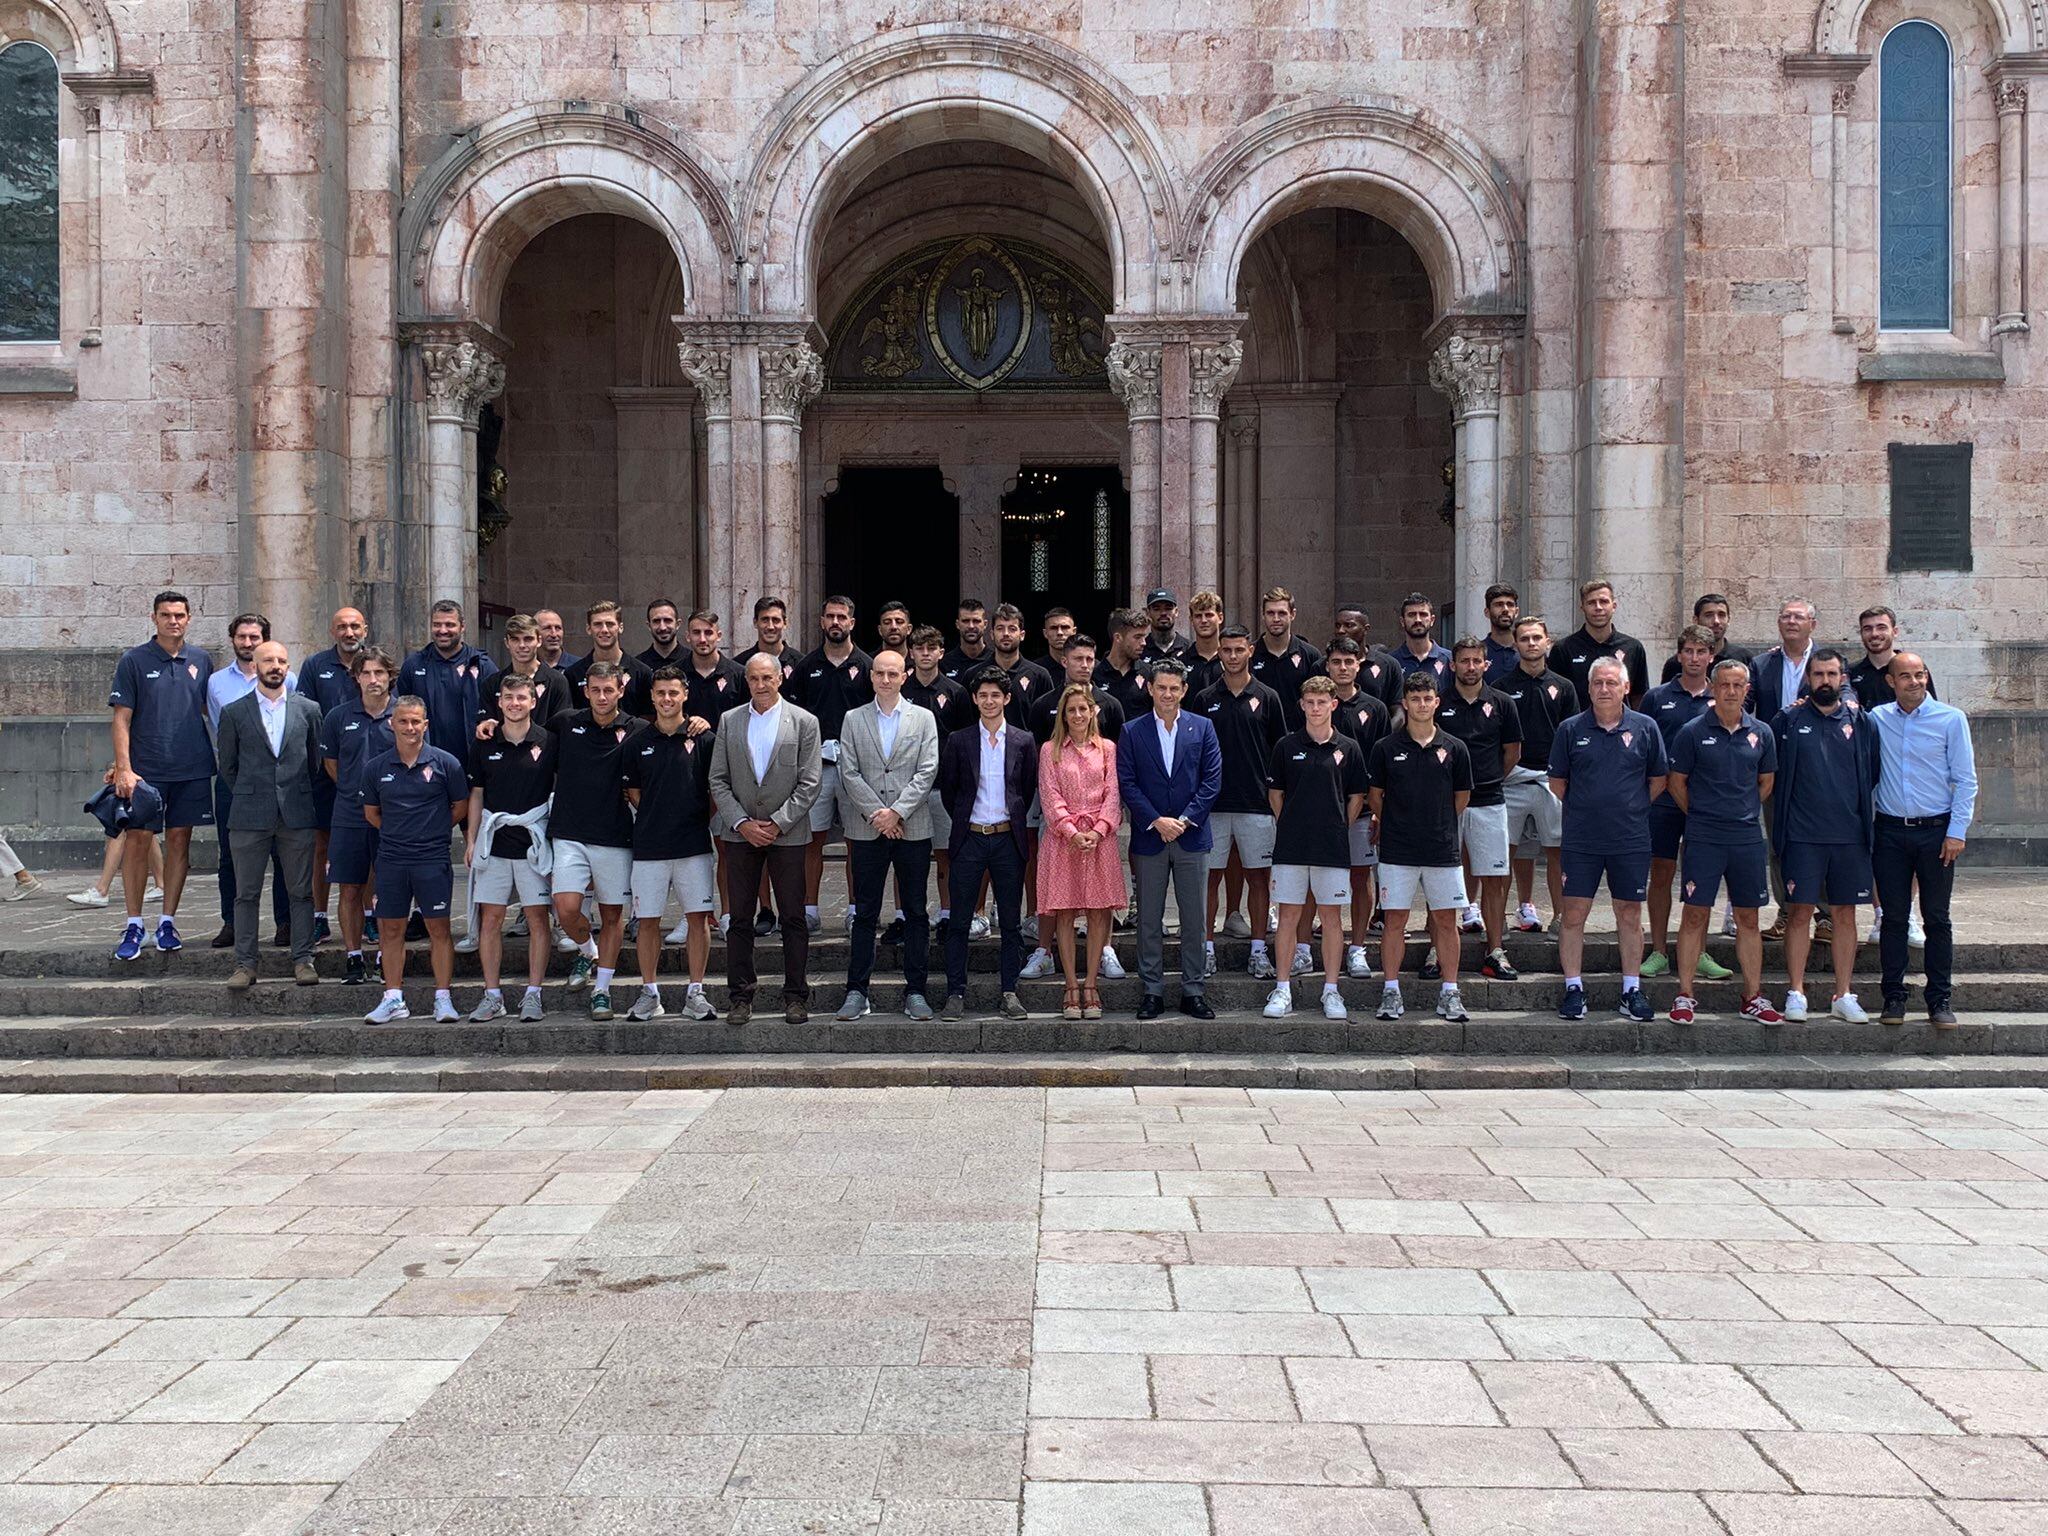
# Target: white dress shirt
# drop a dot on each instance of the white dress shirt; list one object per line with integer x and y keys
{"x": 1792, "y": 683}
{"x": 887, "y": 723}
{"x": 273, "y": 718}
{"x": 990, "y": 806}
{"x": 763, "y": 726}
{"x": 1165, "y": 741}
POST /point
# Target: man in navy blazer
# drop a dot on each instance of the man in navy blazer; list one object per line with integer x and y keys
{"x": 1777, "y": 681}
{"x": 1170, "y": 769}
{"x": 989, "y": 835}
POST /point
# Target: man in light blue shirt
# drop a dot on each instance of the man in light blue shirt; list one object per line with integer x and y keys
{"x": 234, "y": 681}
{"x": 1926, "y": 796}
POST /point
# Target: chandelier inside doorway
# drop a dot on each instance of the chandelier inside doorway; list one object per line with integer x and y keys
{"x": 1040, "y": 512}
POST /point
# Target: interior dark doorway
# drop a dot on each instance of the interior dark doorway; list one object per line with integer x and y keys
{"x": 1067, "y": 544}
{"x": 892, "y": 534}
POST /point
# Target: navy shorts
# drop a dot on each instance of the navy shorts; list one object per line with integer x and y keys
{"x": 323, "y": 802}
{"x": 351, "y": 850}
{"x": 1743, "y": 865}
{"x": 429, "y": 885}
{"x": 1627, "y": 874}
{"x": 187, "y": 802}
{"x": 1667, "y": 830}
{"x": 1826, "y": 874}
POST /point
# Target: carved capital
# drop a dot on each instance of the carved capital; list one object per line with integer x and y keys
{"x": 463, "y": 366}
{"x": 1133, "y": 368}
{"x": 1843, "y": 94}
{"x": 1466, "y": 371}
{"x": 1212, "y": 366}
{"x": 1244, "y": 429}
{"x": 708, "y": 365}
{"x": 2011, "y": 94}
{"x": 792, "y": 374}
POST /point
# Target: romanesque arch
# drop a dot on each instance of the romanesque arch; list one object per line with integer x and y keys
{"x": 1379, "y": 155}
{"x": 496, "y": 188}
{"x": 80, "y": 32}
{"x": 947, "y": 81}
{"x": 2021, "y": 25}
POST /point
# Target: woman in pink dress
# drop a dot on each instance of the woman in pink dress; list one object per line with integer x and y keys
{"x": 1079, "y": 868}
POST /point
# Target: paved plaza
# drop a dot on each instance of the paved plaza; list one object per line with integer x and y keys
{"x": 962, "y": 1312}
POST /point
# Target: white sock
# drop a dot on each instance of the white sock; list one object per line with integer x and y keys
{"x": 393, "y": 992}
{"x": 810, "y": 911}
{"x": 441, "y": 995}
{"x": 1329, "y": 987}
{"x": 587, "y": 949}
{"x": 604, "y": 979}
{"x": 1209, "y": 945}
{"x": 899, "y": 915}
{"x": 945, "y": 914}
{"x": 1258, "y": 946}
{"x": 533, "y": 992}
{"x": 488, "y": 992}
{"x": 1574, "y": 981}
{"x": 652, "y": 989}
{"x": 1449, "y": 986}
{"x": 1631, "y": 983}
{"x": 1390, "y": 985}
{"x": 695, "y": 988}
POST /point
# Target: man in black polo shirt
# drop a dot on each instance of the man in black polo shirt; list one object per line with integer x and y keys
{"x": 1121, "y": 674}
{"x": 771, "y": 626}
{"x": 1029, "y": 682}
{"x": 1162, "y": 610}
{"x": 511, "y": 776}
{"x": 668, "y": 782}
{"x": 929, "y": 688}
{"x": 712, "y": 684}
{"x": 352, "y": 735}
{"x": 1486, "y": 720}
{"x": 1317, "y": 785}
{"x": 1421, "y": 782}
{"x": 413, "y": 795}
{"x": 1542, "y": 698}
{"x": 1870, "y": 678}
{"x": 664, "y": 627}
{"x": 1379, "y": 674}
{"x": 1576, "y": 652}
{"x": 1710, "y": 610}
{"x": 592, "y": 831}
{"x": 1282, "y": 660}
{"x": 829, "y": 681}
{"x": 1201, "y": 658}
{"x": 892, "y": 630}
{"x": 1362, "y": 717}
{"x": 606, "y": 625}
{"x": 522, "y": 657}
{"x": 161, "y": 736}
{"x": 972, "y": 652}
{"x": 1056, "y": 628}
{"x": 326, "y": 679}
{"x": 1249, "y": 724}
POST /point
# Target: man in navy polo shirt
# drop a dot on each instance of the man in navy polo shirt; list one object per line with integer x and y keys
{"x": 351, "y": 735}
{"x": 326, "y": 677}
{"x": 1606, "y": 765}
{"x": 160, "y": 735}
{"x": 1723, "y": 764}
{"x": 1417, "y": 652}
{"x": 1826, "y": 818}
{"x": 1674, "y": 705}
{"x": 413, "y": 795}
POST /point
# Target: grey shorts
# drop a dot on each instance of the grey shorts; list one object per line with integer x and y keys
{"x": 1535, "y": 816}
{"x": 1439, "y": 886}
{"x": 1250, "y": 831}
{"x": 1365, "y": 852}
{"x": 496, "y": 882}
{"x": 587, "y": 868}
{"x": 1294, "y": 884}
{"x": 825, "y": 809}
{"x": 693, "y": 879}
{"x": 1483, "y": 838}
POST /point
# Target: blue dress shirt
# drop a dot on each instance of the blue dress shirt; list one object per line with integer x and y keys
{"x": 1927, "y": 767}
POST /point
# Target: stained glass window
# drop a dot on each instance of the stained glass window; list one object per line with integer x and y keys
{"x": 1041, "y": 564}
{"x": 1913, "y": 179}
{"x": 1102, "y": 541}
{"x": 28, "y": 193}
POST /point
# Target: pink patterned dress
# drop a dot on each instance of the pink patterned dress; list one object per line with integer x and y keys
{"x": 1079, "y": 792}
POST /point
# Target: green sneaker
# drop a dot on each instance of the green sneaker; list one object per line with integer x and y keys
{"x": 1712, "y": 969}
{"x": 600, "y": 1005}
{"x": 581, "y": 972}
{"x": 1655, "y": 964}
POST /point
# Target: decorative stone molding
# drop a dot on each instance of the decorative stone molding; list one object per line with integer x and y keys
{"x": 1134, "y": 369}
{"x": 708, "y": 365}
{"x": 792, "y": 375}
{"x": 1465, "y": 364}
{"x": 2020, "y": 24}
{"x": 463, "y": 366}
{"x": 2010, "y": 94}
{"x": 1212, "y": 367}
{"x": 95, "y": 45}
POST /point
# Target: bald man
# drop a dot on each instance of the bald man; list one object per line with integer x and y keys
{"x": 326, "y": 677}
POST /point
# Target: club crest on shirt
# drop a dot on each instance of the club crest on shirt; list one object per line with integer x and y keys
{"x": 853, "y": 672}
{"x": 1486, "y": 710}
{"x": 1690, "y": 887}
{"x": 1254, "y": 703}
{"x": 619, "y": 734}
{"x": 721, "y": 685}
{"x": 1551, "y": 690}
{"x": 1628, "y": 738}
{"x": 192, "y": 670}
{"x": 1752, "y": 738}
{"x": 1337, "y": 756}
{"x": 1848, "y": 731}
{"x": 427, "y": 774}
{"x": 1296, "y": 659}
{"x": 535, "y": 750}
{"x": 1443, "y": 754}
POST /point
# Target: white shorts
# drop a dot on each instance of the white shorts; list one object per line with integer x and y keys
{"x": 1250, "y": 831}
{"x": 582, "y": 868}
{"x": 1441, "y": 886}
{"x": 1483, "y": 838}
{"x": 694, "y": 880}
{"x": 1535, "y": 816}
{"x": 825, "y": 809}
{"x": 1294, "y": 883}
{"x": 1364, "y": 851}
{"x": 496, "y": 881}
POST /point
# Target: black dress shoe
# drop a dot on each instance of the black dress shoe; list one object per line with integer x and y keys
{"x": 280, "y": 939}
{"x": 1196, "y": 1006}
{"x": 765, "y": 924}
{"x": 1152, "y": 1007}
{"x": 893, "y": 934}
{"x": 225, "y": 939}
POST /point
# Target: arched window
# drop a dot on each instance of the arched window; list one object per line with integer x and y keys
{"x": 28, "y": 193}
{"x": 1913, "y": 179}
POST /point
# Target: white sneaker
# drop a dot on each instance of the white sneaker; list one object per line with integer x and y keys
{"x": 87, "y": 898}
{"x": 1876, "y": 934}
{"x": 1450, "y": 1005}
{"x": 1391, "y": 1006}
{"x": 517, "y": 930}
{"x": 814, "y": 923}
{"x": 1916, "y": 936}
{"x": 725, "y": 925}
{"x": 466, "y": 945}
{"x": 1039, "y": 966}
{"x": 1304, "y": 962}
{"x": 1847, "y": 1009}
{"x": 564, "y": 945}
{"x": 1112, "y": 968}
{"x": 1527, "y": 919}
{"x": 1795, "y": 1008}
{"x": 387, "y": 1011}
{"x": 1333, "y": 1005}
{"x": 1279, "y": 1002}
{"x": 977, "y": 927}
{"x": 1260, "y": 964}
{"x": 680, "y": 934}
{"x": 492, "y": 1007}
{"x": 1237, "y": 926}
{"x": 1272, "y": 919}
{"x": 445, "y": 1011}
{"x": 646, "y": 1006}
{"x": 1472, "y": 921}
{"x": 1357, "y": 963}
{"x": 1728, "y": 920}
{"x": 697, "y": 1006}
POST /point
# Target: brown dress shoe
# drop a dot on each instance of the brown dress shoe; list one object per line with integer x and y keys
{"x": 242, "y": 979}
{"x": 794, "y": 1012}
{"x": 739, "y": 1013}
{"x": 225, "y": 939}
{"x": 1777, "y": 929}
{"x": 306, "y": 974}
{"x": 1823, "y": 930}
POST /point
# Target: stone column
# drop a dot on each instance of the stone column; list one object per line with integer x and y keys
{"x": 461, "y": 371}
{"x": 1240, "y": 590}
{"x": 1134, "y": 370}
{"x": 1838, "y": 72}
{"x": 1465, "y": 369}
{"x": 1212, "y": 366}
{"x": 708, "y": 365}
{"x": 792, "y": 374}
{"x": 2011, "y": 93}
{"x": 1632, "y": 307}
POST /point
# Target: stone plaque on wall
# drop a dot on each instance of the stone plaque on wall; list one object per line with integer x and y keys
{"x": 1930, "y": 506}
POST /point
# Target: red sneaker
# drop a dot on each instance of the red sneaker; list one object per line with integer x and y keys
{"x": 1682, "y": 1009}
{"x": 1759, "y": 1009}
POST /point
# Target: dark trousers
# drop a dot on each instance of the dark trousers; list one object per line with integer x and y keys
{"x": 784, "y": 863}
{"x": 1905, "y": 852}
{"x": 868, "y": 862}
{"x": 291, "y": 849}
{"x": 280, "y": 897}
{"x": 997, "y": 855}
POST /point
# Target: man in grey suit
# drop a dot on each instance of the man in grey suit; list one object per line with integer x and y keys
{"x": 269, "y": 749}
{"x": 888, "y": 758}
{"x": 765, "y": 775}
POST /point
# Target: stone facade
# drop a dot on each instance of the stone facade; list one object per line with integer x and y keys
{"x": 1616, "y": 263}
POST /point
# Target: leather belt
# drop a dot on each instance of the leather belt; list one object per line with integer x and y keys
{"x": 988, "y": 828}
{"x": 1915, "y": 821}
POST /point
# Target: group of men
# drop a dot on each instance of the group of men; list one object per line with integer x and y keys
{"x": 1346, "y": 786}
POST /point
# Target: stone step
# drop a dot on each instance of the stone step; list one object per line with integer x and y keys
{"x": 128, "y": 995}
{"x": 306, "y": 1036}
{"x": 574, "y": 1073}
